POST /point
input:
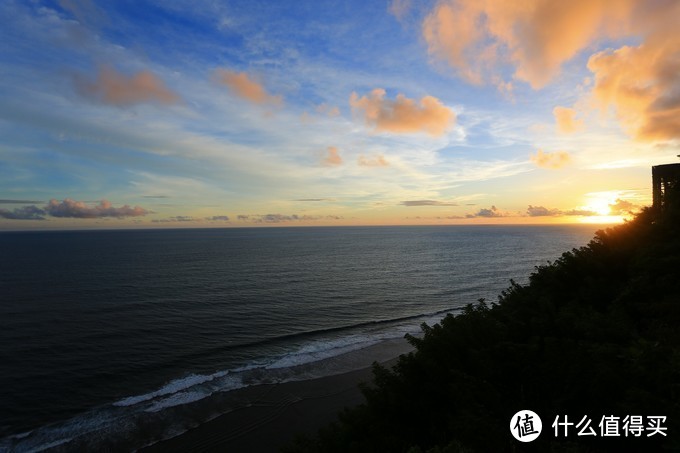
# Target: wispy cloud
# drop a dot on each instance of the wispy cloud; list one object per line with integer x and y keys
{"x": 541, "y": 211}
{"x": 378, "y": 161}
{"x": 403, "y": 115}
{"x": 284, "y": 218}
{"x": 551, "y": 161}
{"x": 243, "y": 86}
{"x": 580, "y": 212}
{"x": 23, "y": 213}
{"x": 399, "y": 8}
{"x": 79, "y": 209}
{"x": 332, "y": 157}
{"x": 330, "y": 111}
{"x": 493, "y": 211}
{"x": 566, "y": 120}
{"x": 114, "y": 88}
{"x": 427, "y": 203}
{"x": 20, "y": 202}
{"x": 622, "y": 207}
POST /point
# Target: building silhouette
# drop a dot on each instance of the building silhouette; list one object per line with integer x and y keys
{"x": 665, "y": 185}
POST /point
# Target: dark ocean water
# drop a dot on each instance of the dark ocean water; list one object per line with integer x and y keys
{"x": 137, "y": 335}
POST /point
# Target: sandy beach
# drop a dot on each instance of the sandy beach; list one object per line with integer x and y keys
{"x": 272, "y": 415}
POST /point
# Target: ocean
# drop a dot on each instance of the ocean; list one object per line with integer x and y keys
{"x": 117, "y": 339}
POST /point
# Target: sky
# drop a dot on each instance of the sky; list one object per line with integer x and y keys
{"x": 149, "y": 114}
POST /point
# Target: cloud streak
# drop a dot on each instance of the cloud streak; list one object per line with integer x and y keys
{"x": 566, "y": 120}
{"x": 403, "y": 115}
{"x": 487, "y": 212}
{"x": 80, "y": 210}
{"x": 114, "y": 88}
{"x": 243, "y": 86}
{"x": 332, "y": 158}
{"x": 552, "y": 161}
{"x": 427, "y": 203}
{"x": 378, "y": 161}
{"x": 23, "y": 213}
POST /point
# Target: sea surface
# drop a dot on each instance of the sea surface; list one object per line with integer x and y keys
{"x": 117, "y": 339}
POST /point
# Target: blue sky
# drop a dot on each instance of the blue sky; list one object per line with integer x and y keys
{"x": 239, "y": 113}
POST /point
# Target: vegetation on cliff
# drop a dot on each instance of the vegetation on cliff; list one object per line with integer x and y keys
{"x": 596, "y": 333}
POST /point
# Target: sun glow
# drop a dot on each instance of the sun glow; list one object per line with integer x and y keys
{"x": 602, "y": 219}
{"x": 600, "y": 202}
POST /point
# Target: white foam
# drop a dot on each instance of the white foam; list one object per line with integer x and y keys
{"x": 320, "y": 350}
{"x": 177, "y": 399}
{"x": 56, "y": 443}
{"x": 174, "y": 386}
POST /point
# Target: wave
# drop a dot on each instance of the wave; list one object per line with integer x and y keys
{"x": 312, "y": 351}
{"x": 310, "y": 354}
{"x": 316, "y": 332}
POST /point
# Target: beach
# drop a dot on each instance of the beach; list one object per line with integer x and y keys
{"x": 271, "y": 415}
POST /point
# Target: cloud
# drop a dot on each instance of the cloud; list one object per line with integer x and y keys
{"x": 244, "y": 87}
{"x": 487, "y": 212}
{"x": 177, "y": 218}
{"x": 566, "y": 120}
{"x": 23, "y": 213}
{"x": 476, "y": 37}
{"x": 333, "y": 157}
{"x": 552, "y": 161}
{"x": 426, "y": 203}
{"x": 155, "y": 196}
{"x": 580, "y": 212}
{"x": 222, "y": 218}
{"x": 19, "y": 201}
{"x": 78, "y": 209}
{"x": 403, "y": 115}
{"x": 399, "y": 8}
{"x": 314, "y": 199}
{"x": 112, "y": 87}
{"x": 540, "y": 211}
{"x": 84, "y": 10}
{"x": 641, "y": 82}
{"x": 327, "y": 110}
{"x": 283, "y": 218}
{"x": 379, "y": 161}
{"x": 480, "y": 38}
{"x": 622, "y": 207}
{"x": 279, "y": 218}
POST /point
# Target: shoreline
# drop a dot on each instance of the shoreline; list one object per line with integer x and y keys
{"x": 271, "y": 415}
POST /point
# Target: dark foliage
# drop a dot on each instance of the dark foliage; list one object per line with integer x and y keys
{"x": 596, "y": 333}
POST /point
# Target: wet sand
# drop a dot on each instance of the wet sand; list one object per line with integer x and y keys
{"x": 271, "y": 415}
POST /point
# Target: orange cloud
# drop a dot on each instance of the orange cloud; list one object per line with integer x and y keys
{"x": 78, "y": 209}
{"x": 641, "y": 82}
{"x": 403, "y": 115}
{"x": 399, "y": 8}
{"x": 333, "y": 157}
{"x": 535, "y": 36}
{"x": 112, "y": 87}
{"x": 244, "y": 87}
{"x": 552, "y": 161}
{"x": 379, "y": 161}
{"x": 566, "y": 120}
{"x": 326, "y": 109}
